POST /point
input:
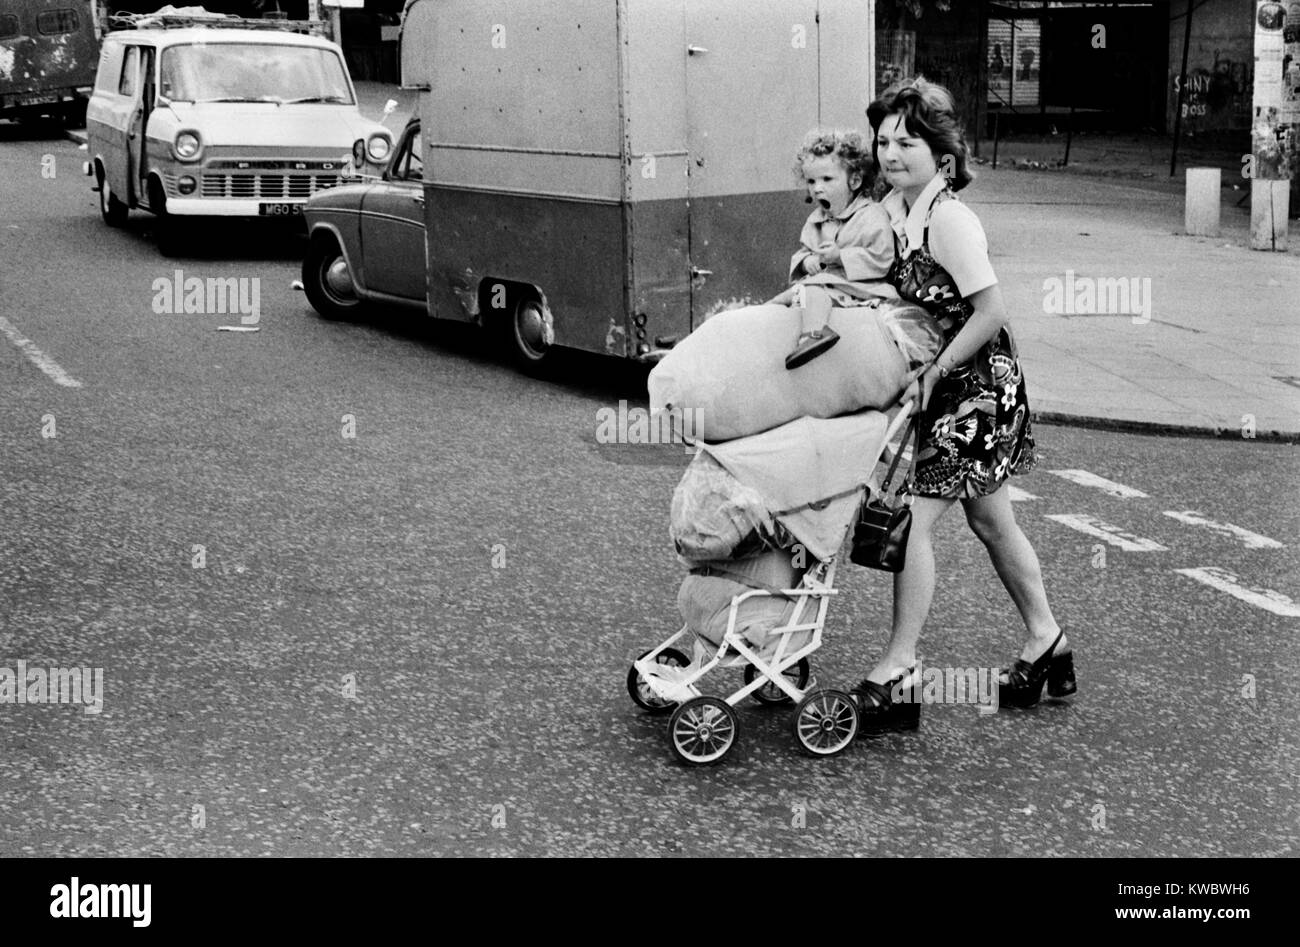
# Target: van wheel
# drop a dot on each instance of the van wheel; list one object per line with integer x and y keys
{"x": 327, "y": 280}
{"x": 170, "y": 232}
{"x": 110, "y": 208}
{"x": 528, "y": 337}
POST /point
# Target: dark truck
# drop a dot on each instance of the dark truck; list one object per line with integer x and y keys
{"x": 48, "y": 54}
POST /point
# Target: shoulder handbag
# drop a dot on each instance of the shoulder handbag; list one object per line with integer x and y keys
{"x": 880, "y": 534}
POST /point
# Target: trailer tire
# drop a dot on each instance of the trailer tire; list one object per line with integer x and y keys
{"x": 332, "y": 296}
{"x": 111, "y": 209}
{"x": 525, "y": 333}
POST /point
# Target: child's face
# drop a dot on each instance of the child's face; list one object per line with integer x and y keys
{"x": 829, "y": 182}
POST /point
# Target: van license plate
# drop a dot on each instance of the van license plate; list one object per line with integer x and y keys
{"x": 38, "y": 98}
{"x": 279, "y": 210}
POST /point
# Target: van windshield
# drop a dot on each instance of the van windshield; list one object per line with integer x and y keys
{"x": 253, "y": 72}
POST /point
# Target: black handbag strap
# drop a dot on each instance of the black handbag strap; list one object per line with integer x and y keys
{"x": 914, "y": 425}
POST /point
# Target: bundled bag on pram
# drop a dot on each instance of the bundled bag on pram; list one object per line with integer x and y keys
{"x": 729, "y": 374}
{"x": 705, "y": 598}
{"x": 757, "y": 511}
{"x": 799, "y": 483}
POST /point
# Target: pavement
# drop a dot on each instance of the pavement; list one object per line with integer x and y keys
{"x": 1206, "y": 340}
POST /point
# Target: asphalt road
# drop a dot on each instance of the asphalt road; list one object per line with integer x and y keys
{"x": 414, "y": 640}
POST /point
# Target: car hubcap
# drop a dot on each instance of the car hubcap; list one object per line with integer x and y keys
{"x": 339, "y": 281}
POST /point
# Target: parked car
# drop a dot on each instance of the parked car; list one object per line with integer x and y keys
{"x": 366, "y": 240}
{"x": 48, "y": 51}
{"x": 221, "y": 117}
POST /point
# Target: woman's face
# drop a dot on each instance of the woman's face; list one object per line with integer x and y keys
{"x": 905, "y": 159}
{"x": 829, "y": 183}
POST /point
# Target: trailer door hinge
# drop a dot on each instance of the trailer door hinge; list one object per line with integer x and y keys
{"x": 696, "y": 50}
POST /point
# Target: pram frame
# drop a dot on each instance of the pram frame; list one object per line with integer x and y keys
{"x": 817, "y": 585}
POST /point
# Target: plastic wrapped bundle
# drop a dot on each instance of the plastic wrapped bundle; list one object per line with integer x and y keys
{"x": 705, "y": 601}
{"x": 715, "y": 516}
{"x": 729, "y": 375}
{"x": 800, "y": 483}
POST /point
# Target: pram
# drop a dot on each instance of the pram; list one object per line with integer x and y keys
{"x": 815, "y": 475}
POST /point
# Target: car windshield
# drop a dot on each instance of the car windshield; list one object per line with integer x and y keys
{"x": 253, "y": 72}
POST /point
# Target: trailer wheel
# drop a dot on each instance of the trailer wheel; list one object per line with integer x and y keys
{"x": 327, "y": 280}
{"x": 110, "y": 208}
{"x": 529, "y": 336}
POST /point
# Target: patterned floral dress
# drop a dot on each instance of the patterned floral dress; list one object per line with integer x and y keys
{"x": 975, "y": 432}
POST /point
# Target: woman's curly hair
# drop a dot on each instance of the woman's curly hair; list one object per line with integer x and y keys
{"x": 848, "y": 145}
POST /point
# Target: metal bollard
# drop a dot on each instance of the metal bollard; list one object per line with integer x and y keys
{"x": 1201, "y": 216}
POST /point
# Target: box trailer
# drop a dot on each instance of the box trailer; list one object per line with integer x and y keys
{"x": 605, "y": 174}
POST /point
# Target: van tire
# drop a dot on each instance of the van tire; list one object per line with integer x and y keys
{"x": 170, "y": 232}
{"x": 324, "y": 293}
{"x": 111, "y": 209}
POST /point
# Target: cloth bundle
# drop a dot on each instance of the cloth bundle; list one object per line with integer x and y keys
{"x": 730, "y": 373}
{"x": 705, "y": 601}
{"x": 748, "y": 510}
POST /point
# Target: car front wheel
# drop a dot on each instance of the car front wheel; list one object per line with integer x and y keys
{"x": 328, "y": 282}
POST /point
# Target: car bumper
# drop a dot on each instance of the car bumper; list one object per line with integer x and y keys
{"x": 203, "y": 207}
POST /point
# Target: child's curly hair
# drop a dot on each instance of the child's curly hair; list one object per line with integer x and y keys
{"x": 846, "y": 144}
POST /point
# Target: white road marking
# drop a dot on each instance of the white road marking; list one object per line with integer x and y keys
{"x": 1086, "y": 478}
{"x": 1225, "y": 581}
{"x": 1016, "y": 495}
{"x": 1248, "y": 539}
{"x": 1112, "y": 534}
{"x": 36, "y": 356}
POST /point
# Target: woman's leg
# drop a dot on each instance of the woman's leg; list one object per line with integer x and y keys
{"x": 993, "y": 521}
{"x": 913, "y": 591}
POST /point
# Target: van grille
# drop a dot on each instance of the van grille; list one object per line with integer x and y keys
{"x": 269, "y": 186}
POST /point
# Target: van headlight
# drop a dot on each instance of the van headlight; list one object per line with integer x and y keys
{"x": 187, "y": 146}
{"x": 377, "y": 148}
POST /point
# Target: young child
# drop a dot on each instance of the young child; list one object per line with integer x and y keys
{"x": 847, "y": 243}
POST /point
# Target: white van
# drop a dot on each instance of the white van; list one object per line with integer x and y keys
{"x": 221, "y": 117}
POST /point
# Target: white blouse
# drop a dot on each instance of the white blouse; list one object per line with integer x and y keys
{"x": 957, "y": 240}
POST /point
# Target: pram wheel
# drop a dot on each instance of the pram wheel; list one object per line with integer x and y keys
{"x": 826, "y": 722}
{"x": 702, "y": 730}
{"x": 769, "y": 693}
{"x": 640, "y": 691}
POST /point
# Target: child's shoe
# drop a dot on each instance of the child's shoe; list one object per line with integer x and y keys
{"x": 810, "y": 345}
